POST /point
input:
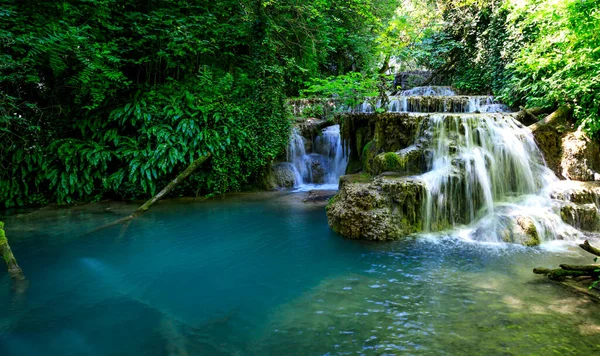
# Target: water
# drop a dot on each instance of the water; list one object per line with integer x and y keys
{"x": 488, "y": 167}
{"x": 264, "y": 275}
{"x": 434, "y": 99}
{"x": 321, "y": 168}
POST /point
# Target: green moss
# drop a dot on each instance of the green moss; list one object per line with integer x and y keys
{"x": 368, "y": 155}
{"x": 393, "y": 162}
{"x": 332, "y": 201}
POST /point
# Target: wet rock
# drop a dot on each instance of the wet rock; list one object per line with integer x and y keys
{"x": 385, "y": 208}
{"x": 582, "y": 216}
{"x": 317, "y": 169}
{"x": 319, "y": 196}
{"x": 522, "y": 230}
{"x": 576, "y": 192}
{"x": 311, "y": 128}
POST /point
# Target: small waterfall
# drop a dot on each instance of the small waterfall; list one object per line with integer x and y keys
{"x": 435, "y": 100}
{"x": 321, "y": 168}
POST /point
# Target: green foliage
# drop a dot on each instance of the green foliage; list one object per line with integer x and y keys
{"x": 560, "y": 62}
{"x": 107, "y": 98}
{"x": 529, "y": 53}
{"x": 349, "y": 90}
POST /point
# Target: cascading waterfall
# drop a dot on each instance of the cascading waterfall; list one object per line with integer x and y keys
{"x": 321, "y": 168}
{"x": 436, "y": 100}
{"x": 484, "y": 170}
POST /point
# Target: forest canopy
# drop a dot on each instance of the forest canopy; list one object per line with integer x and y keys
{"x": 111, "y": 99}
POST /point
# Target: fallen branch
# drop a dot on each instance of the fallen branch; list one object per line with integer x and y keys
{"x": 530, "y": 116}
{"x": 589, "y": 248}
{"x": 560, "y": 116}
{"x": 163, "y": 193}
{"x": 558, "y": 274}
{"x": 587, "y": 268}
{"x": 573, "y": 271}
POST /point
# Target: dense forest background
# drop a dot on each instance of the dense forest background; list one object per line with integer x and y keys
{"x": 111, "y": 99}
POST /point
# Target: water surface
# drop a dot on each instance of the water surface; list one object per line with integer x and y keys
{"x": 263, "y": 274}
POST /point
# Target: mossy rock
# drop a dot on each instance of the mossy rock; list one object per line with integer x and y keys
{"x": 522, "y": 231}
{"x": 407, "y": 161}
{"x": 368, "y": 155}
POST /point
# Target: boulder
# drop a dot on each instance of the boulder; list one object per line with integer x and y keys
{"x": 522, "y": 230}
{"x": 408, "y": 161}
{"x": 386, "y": 208}
{"x": 317, "y": 169}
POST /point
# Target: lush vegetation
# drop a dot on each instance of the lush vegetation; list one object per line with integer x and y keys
{"x": 107, "y": 98}
{"x": 530, "y": 53}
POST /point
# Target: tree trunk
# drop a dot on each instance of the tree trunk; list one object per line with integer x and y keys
{"x": 589, "y": 248}
{"x": 529, "y": 116}
{"x": 166, "y": 190}
{"x": 11, "y": 263}
{"x": 163, "y": 193}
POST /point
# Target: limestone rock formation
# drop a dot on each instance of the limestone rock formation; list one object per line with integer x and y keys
{"x": 522, "y": 230}
{"x": 569, "y": 153}
{"x": 385, "y": 208}
{"x": 580, "y": 158}
{"x": 579, "y": 203}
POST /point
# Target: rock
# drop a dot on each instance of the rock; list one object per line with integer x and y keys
{"x": 386, "y": 208}
{"x": 580, "y": 158}
{"x": 576, "y": 192}
{"x": 582, "y": 216}
{"x": 318, "y": 196}
{"x": 317, "y": 168}
{"x": 522, "y": 230}
{"x": 376, "y": 133}
{"x": 570, "y": 154}
{"x": 579, "y": 203}
{"x": 408, "y": 160}
{"x": 282, "y": 175}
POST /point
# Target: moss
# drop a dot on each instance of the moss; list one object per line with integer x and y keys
{"x": 393, "y": 161}
{"x": 332, "y": 201}
{"x": 368, "y": 155}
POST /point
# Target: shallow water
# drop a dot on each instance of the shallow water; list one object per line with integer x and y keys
{"x": 263, "y": 274}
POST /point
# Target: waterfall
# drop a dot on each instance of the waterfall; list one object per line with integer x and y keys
{"x": 484, "y": 171}
{"x": 322, "y": 167}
